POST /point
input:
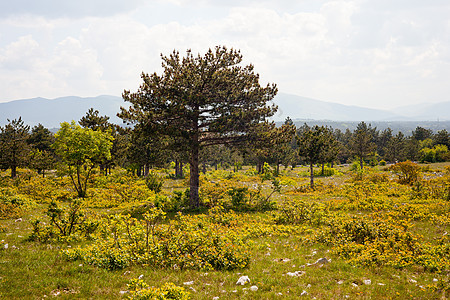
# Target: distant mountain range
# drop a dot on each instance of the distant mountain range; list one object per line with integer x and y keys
{"x": 51, "y": 113}
{"x": 297, "y": 107}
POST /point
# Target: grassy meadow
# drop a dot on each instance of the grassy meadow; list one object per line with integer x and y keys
{"x": 371, "y": 234}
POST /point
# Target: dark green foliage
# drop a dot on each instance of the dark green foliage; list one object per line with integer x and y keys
{"x": 316, "y": 145}
{"x": 200, "y": 101}
{"x": 13, "y": 145}
{"x": 362, "y": 141}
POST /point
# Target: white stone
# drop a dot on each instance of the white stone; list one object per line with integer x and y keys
{"x": 5, "y": 246}
{"x": 243, "y": 280}
{"x": 188, "y": 283}
{"x": 215, "y": 298}
{"x": 354, "y": 284}
{"x": 340, "y": 282}
{"x": 382, "y": 284}
{"x": 367, "y": 282}
{"x": 123, "y": 292}
{"x": 413, "y": 281}
{"x": 296, "y": 273}
{"x": 18, "y": 220}
{"x": 141, "y": 276}
{"x": 253, "y": 288}
{"x": 435, "y": 280}
{"x": 304, "y": 293}
{"x": 308, "y": 286}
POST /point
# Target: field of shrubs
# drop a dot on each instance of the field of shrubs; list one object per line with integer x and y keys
{"x": 376, "y": 233}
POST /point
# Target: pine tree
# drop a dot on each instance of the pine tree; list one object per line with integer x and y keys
{"x": 201, "y": 101}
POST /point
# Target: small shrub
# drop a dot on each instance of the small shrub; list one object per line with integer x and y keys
{"x": 154, "y": 182}
{"x": 64, "y": 223}
{"x": 407, "y": 172}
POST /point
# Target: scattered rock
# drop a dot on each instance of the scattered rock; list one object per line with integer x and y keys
{"x": 284, "y": 260}
{"x": 340, "y": 282}
{"x": 215, "y": 298}
{"x": 192, "y": 289}
{"x": 123, "y": 292}
{"x": 354, "y": 284}
{"x": 18, "y": 220}
{"x": 308, "y": 286}
{"x": 280, "y": 294}
{"x": 141, "y": 276}
{"x": 367, "y": 282}
{"x": 126, "y": 272}
{"x": 304, "y": 293}
{"x": 243, "y": 280}
{"x": 382, "y": 284}
{"x": 435, "y": 280}
{"x": 5, "y": 246}
{"x": 188, "y": 283}
{"x": 322, "y": 261}
{"x": 412, "y": 281}
{"x": 80, "y": 265}
{"x": 296, "y": 273}
{"x": 253, "y": 288}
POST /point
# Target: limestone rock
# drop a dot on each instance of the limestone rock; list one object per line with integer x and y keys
{"x": 243, "y": 280}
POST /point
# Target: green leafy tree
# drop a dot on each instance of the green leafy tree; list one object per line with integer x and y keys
{"x": 201, "y": 101}
{"x": 314, "y": 144}
{"x": 79, "y": 150}
{"x": 361, "y": 143}
{"x": 13, "y": 145}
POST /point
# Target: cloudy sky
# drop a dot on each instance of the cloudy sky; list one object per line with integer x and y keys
{"x": 372, "y": 53}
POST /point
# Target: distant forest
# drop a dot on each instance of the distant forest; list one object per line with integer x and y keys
{"x": 406, "y": 127}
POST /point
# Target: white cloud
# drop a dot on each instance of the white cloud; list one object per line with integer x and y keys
{"x": 355, "y": 52}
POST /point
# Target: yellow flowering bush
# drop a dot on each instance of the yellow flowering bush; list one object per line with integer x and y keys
{"x": 193, "y": 242}
{"x": 139, "y": 290}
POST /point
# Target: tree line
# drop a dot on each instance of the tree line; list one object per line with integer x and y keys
{"x": 203, "y": 111}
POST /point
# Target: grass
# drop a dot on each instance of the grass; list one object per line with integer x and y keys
{"x": 31, "y": 270}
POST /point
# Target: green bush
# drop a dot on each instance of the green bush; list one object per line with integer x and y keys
{"x": 154, "y": 182}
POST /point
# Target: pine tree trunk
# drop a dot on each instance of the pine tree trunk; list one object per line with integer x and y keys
{"x": 13, "y": 172}
{"x": 323, "y": 168}
{"x": 311, "y": 175}
{"x": 194, "y": 178}
{"x": 177, "y": 168}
